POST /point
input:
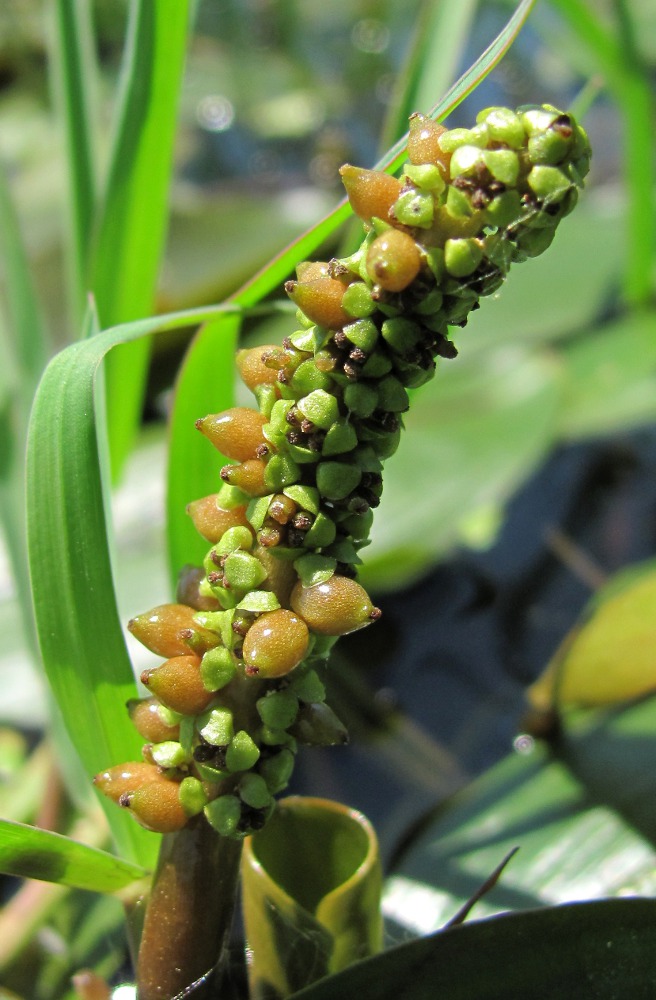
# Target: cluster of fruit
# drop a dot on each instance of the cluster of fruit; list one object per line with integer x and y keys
{"x": 240, "y": 687}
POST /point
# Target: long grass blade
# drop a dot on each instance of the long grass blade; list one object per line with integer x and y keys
{"x": 132, "y": 228}
{"x": 28, "y": 852}
{"x": 441, "y": 35}
{"x": 199, "y": 381}
{"x": 70, "y": 542}
{"x": 25, "y": 336}
{"x": 74, "y": 83}
{"x": 615, "y": 54}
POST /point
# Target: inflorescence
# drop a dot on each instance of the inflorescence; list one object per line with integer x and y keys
{"x": 241, "y": 687}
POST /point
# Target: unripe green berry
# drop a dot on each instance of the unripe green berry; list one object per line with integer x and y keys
{"x": 224, "y": 814}
{"x": 341, "y": 437}
{"x": 216, "y": 726}
{"x": 414, "y": 207}
{"x": 278, "y": 709}
{"x": 254, "y": 792}
{"x": 277, "y": 770}
{"x": 361, "y": 398}
{"x": 242, "y": 752}
{"x": 548, "y": 183}
{"x": 192, "y": 796}
{"x": 462, "y": 257}
{"x": 503, "y": 164}
{"x": 357, "y": 300}
{"x": 217, "y": 668}
{"x": 275, "y": 643}
{"x": 335, "y": 480}
{"x": 363, "y": 334}
{"x": 243, "y": 571}
{"x": 503, "y": 125}
{"x": 336, "y": 607}
{"x": 320, "y": 407}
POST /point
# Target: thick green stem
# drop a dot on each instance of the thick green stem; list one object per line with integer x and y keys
{"x": 190, "y": 911}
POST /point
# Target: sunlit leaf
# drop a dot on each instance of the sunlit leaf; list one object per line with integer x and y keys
{"x": 610, "y": 656}
{"x": 590, "y": 949}
{"x": 74, "y": 78}
{"x": 70, "y": 543}
{"x": 134, "y": 212}
{"x": 32, "y": 853}
{"x": 610, "y": 382}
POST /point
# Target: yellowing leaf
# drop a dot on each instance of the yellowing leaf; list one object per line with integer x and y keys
{"x": 612, "y": 656}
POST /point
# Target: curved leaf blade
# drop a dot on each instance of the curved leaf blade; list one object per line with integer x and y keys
{"x": 28, "y": 852}
{"x": 69, "y": 538}
{"x": 133, "y": 219}
{"x": 602, "y": 949}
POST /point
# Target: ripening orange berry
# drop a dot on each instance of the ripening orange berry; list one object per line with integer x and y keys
{"x": 248, "y": 477}
{"x": 211, "y": 521}
{"x": 157, "y": 806}
{"x": 370, "y": 192}
{"x": 163, "y": 629}
{"x": 146, "y": 719}
{"x": 178, "y": 685}
{"x": 308, "y": 270}
{"x": 252, "y": 370}
{"x": 123, "y": 779}
{"x": 236, "y": 433}
{"x": 393, "y": 260}
{"x": 336, "y": 607}
{"x": 423, "y": 142}
{"x": 275, "y": 643}
{"x": 320, "y": 300}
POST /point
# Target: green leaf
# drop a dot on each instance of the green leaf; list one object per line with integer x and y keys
{"x": 305, "y": 920}
{"x": 609, "y": 378}
{"x": 74, "y": 79}
{"x": 81, "y": 639}
{"x": 614, "y": 55}
{"x": 25, "y": 343}
{"x": 134, "y": 213}
{"x": 600, "y": 950}
{"x": 32, "y": 853}
{"x": 582, "y": 824}
{"x": 609, "y": 656}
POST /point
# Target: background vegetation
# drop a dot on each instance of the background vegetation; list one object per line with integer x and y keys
{"x": 533, "y": 450}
